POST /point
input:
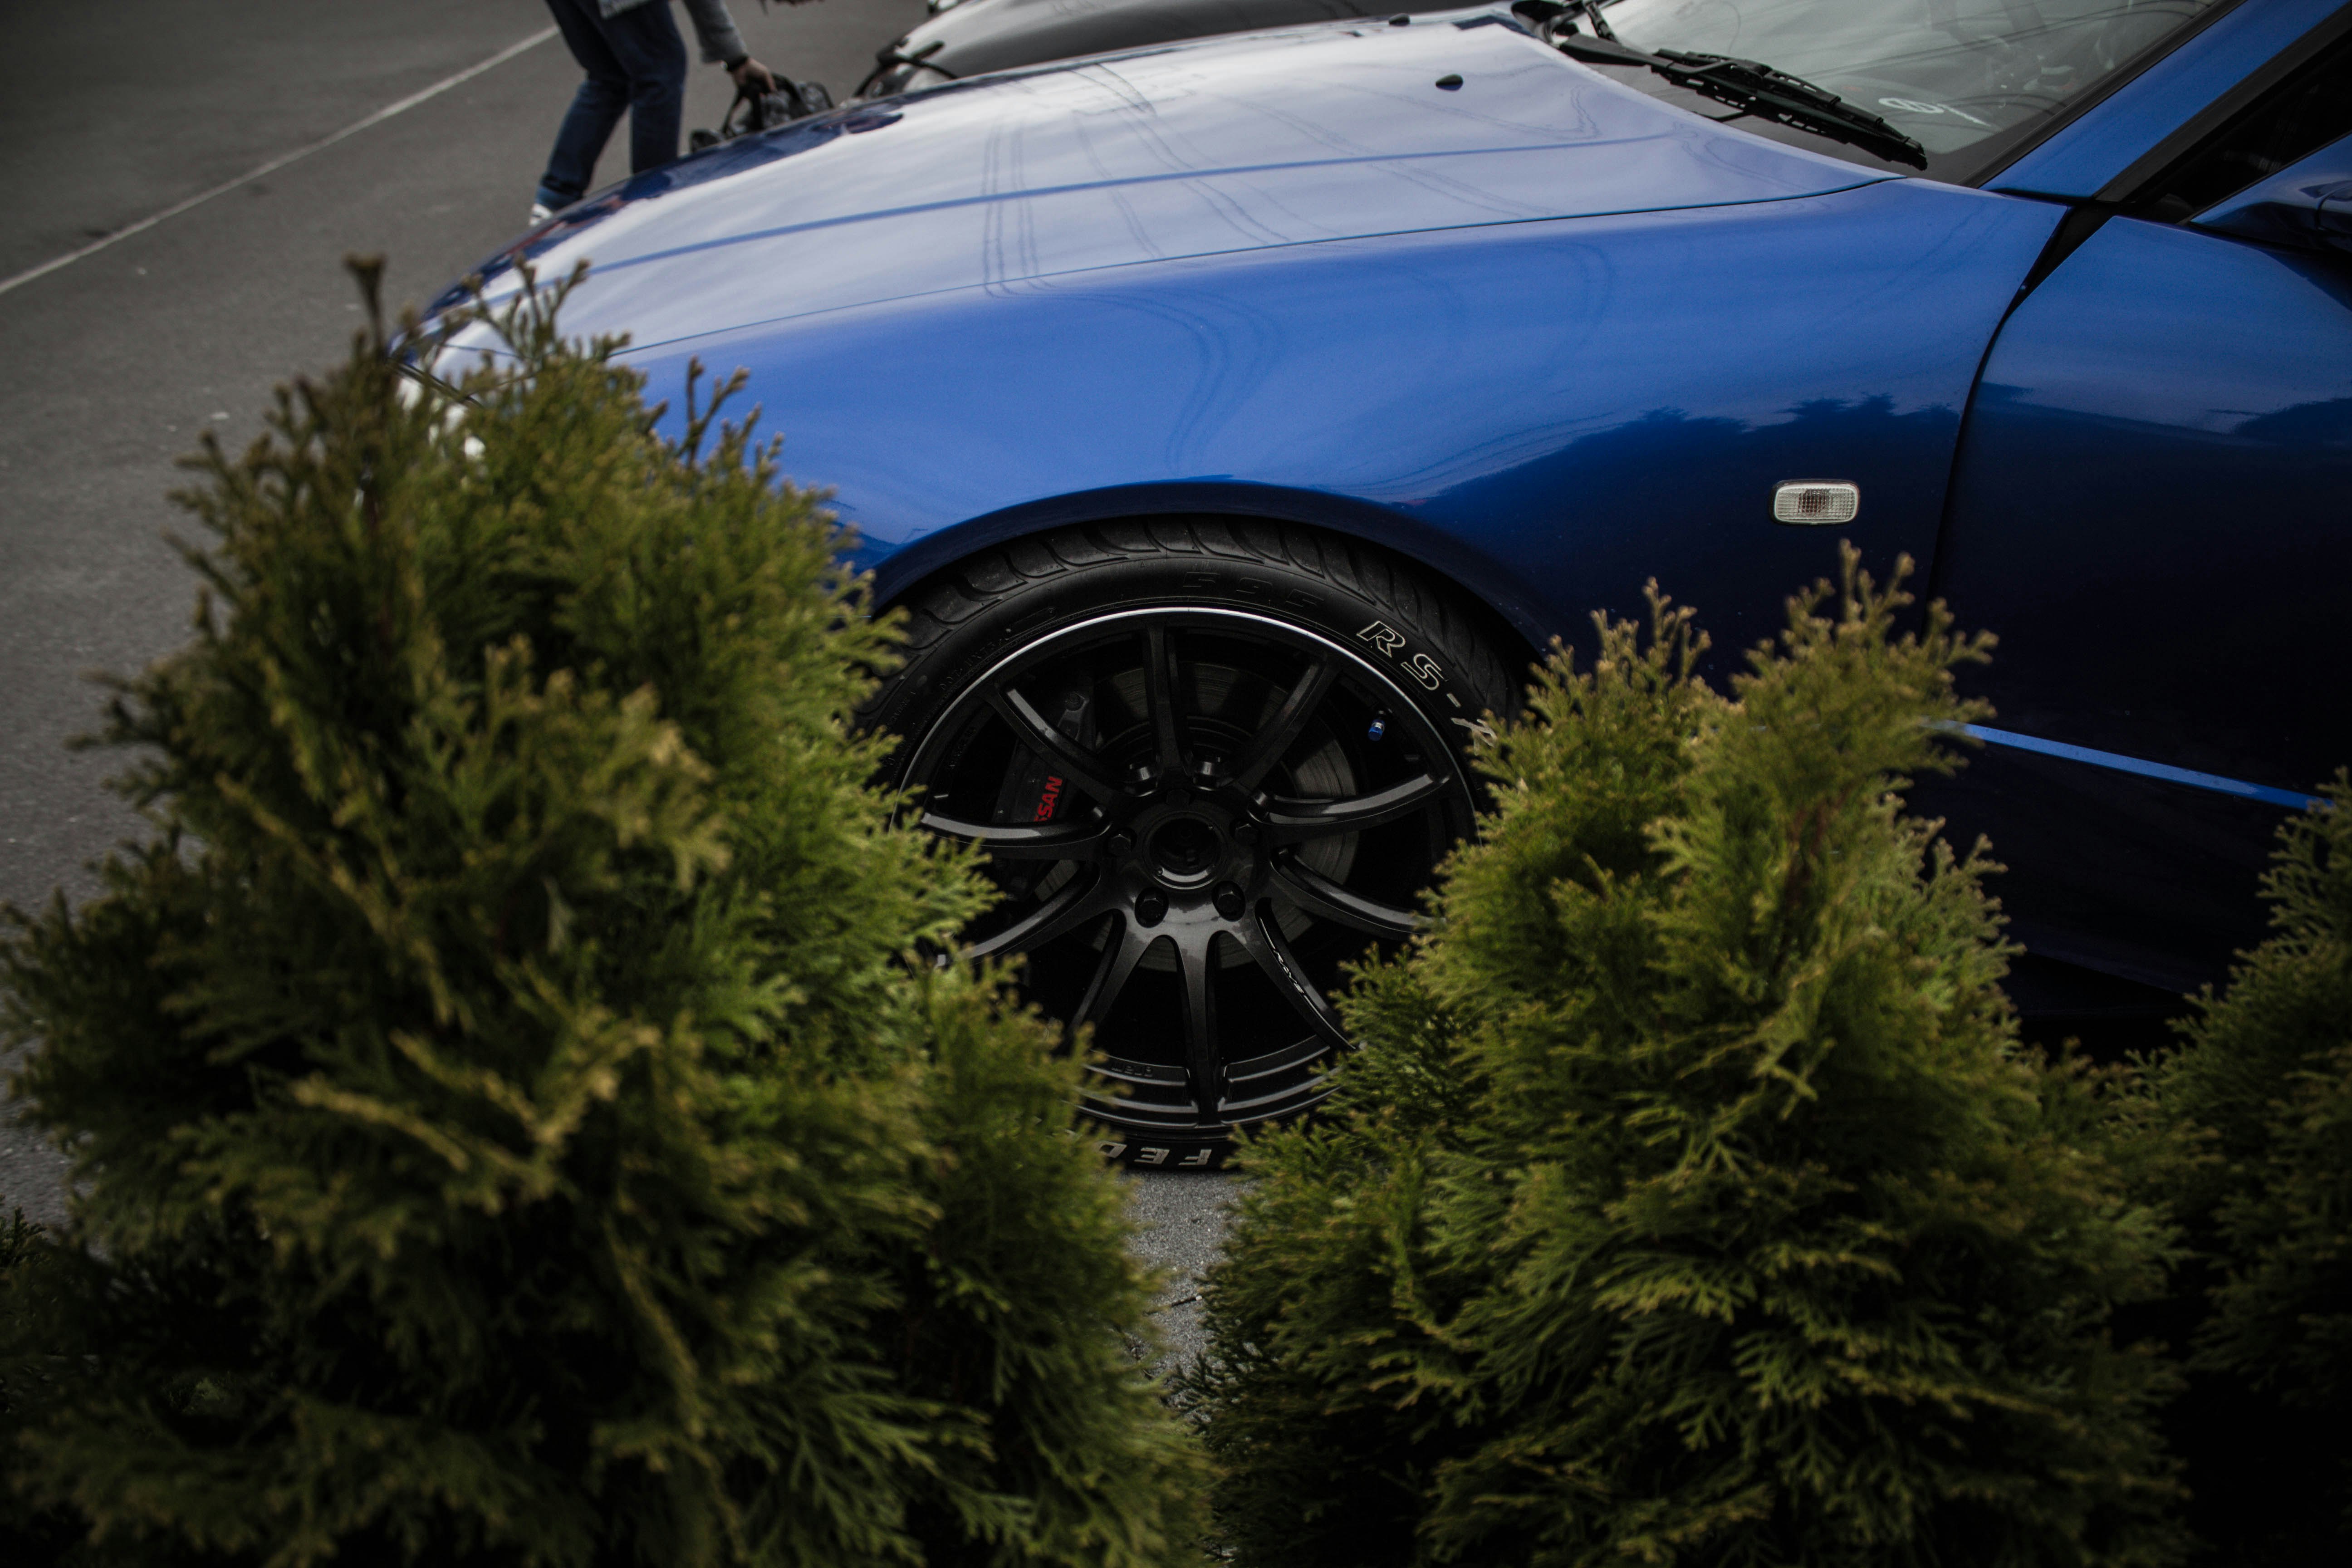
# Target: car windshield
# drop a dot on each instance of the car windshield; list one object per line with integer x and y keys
{"x": 1966, "y": 78}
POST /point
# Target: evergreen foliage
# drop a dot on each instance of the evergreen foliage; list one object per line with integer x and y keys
{"x": 508, "y": 1129}
{"x": 1692, "y": 1200}
{"x": 2264, "y": 1071}
{"x": 29, "y": 1365}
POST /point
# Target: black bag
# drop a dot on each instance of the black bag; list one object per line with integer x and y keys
{"x": 764, "y": 111}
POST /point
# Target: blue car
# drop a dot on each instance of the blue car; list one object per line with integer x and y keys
{"x": 1235, "y": 420}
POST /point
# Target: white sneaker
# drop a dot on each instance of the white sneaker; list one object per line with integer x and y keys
{"x": 540, "y": 213}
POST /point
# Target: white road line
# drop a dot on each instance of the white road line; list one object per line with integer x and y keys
{"x": 378, "y": 118}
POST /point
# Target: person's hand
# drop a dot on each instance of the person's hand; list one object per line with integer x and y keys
{"x": 751, "y": 76}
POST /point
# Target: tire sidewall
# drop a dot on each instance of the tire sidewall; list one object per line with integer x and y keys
{"x": 1444, "y": 685}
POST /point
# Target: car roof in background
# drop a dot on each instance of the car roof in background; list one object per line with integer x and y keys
{"x": 980, "y": 35}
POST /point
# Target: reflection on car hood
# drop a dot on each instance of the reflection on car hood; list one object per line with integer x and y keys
{"x": 1330, "y": 131}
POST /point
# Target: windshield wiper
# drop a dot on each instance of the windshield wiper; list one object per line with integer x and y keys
{"x": 1754, "y": 87}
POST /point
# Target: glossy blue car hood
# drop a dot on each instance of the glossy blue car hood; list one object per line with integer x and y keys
{"x": 1320, "y": 133}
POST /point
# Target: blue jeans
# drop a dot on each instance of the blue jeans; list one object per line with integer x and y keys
{"x": 635, "y": 61}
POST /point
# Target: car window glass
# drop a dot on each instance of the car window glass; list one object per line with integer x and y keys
{"x": 2303, "y": 113}
{"x": 1960, "y": 77}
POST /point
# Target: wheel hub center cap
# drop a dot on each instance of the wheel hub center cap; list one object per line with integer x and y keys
{"x": 1186, "y": 850}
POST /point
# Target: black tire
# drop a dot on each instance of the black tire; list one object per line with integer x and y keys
{"x": 1189, "y": 859}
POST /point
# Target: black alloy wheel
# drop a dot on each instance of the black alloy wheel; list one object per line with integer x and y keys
{"x": 1197, "y": 811}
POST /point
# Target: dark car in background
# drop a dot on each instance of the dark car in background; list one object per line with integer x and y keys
{"x": 1233, "y": 420}
{"x": 969, "y": 38}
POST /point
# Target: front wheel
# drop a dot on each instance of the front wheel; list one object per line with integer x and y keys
{"x": 1210, "y": 764}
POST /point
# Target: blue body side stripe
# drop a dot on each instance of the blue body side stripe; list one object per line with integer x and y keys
{"x": 2293, "y": 799}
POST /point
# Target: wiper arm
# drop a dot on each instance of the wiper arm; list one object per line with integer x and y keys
{"x": 1754, "y": 87}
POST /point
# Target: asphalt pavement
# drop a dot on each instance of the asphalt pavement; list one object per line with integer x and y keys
{"x": 212, "y": 162}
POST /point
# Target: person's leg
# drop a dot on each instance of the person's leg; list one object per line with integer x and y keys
{"x": 595, "y": 108}
{"x": 646, "y": 39}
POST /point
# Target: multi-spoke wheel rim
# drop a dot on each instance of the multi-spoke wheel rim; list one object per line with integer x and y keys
{"x": 1197, "y": 816}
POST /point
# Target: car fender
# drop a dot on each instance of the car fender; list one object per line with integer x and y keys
{"x": 1550, "y": 413}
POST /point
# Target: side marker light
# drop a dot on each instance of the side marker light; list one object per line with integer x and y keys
{"x": 1816, "y": 503}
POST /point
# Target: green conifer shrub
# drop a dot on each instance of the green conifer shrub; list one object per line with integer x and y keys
{"x": 29, "y": 1366}
{"x": 508, "y": 1130}
{"x": 2264, "y": 1072}
{"x": 1692, "y": 1200}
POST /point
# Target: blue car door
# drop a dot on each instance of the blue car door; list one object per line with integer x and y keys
{"x": 2152, "y": 507}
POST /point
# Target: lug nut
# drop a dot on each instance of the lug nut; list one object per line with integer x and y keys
{"x": 1244, "y": 832}
{"x": 1230, "y": 902}
{"x": 1151, "y": 907}
{"x": 1122, "y": 842}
